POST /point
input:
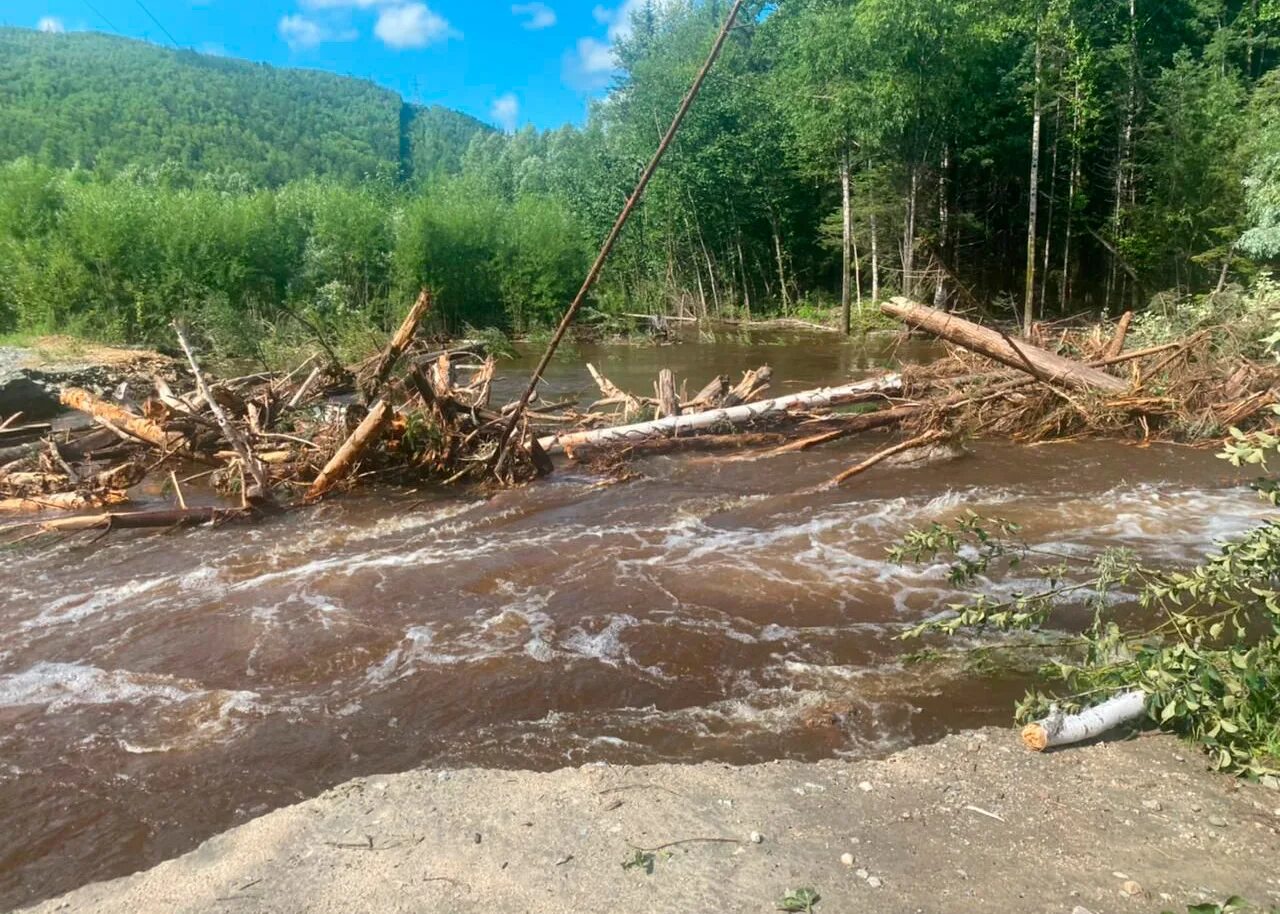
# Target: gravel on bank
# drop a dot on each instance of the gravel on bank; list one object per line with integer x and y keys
{"x": 972, "y": 823}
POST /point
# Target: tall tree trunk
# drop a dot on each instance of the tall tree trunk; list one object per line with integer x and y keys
{"x": 1053, "y": 196}
{"x": 1124, "y": 179}
{"x": 777, "y": 250}
{"x": 1029, "y": 301}
{"x": 944, "y": 220}
{"x": 746, "y": 282}
{"x": 1064, "y": 290}
{"x": 909, "y": 234}
{"x": 846, "y": 213}
{"x": 875, "y": 260}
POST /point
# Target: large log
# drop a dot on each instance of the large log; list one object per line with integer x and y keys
{"x": 734, "y": 415}
{"x": 1037, "y": 362}
{"x": 341, "y": 463}
{"x": 143, "y": 429}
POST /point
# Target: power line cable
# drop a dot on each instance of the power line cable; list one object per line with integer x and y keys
{"x": 111, "y": 25}
{"x": 158, "y": 23}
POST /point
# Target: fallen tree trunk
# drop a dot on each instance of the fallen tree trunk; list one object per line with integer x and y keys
{"x": 1116, "y": 346}
{"x": 340, "y": 464}
{"x": 733, "y": 415}
{"x": 112, "y": 415}
{"x": 1060, "y": 729}
{"x": 1037, "y": 362}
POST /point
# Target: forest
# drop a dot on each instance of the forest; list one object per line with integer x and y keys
{"x": 1028, "y": 159}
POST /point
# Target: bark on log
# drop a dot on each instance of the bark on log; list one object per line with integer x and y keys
{"x": 668, "y": 402}
{"x": 341, "y": 463}
{"x": 711, "y": 395}
{"x": 399, "y": 341}
{"x": 1037, "y": 362}
{"x": 109, "y": 413}
{"x": 752, "y": 385}
{"x": 734, "y": 415}
{"x": 1116, "y": 346}
{"x": 1060, "y": 729}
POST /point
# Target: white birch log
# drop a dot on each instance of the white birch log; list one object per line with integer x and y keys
{"x": 732, "y": 415}
{"x": 1060, "y": 729}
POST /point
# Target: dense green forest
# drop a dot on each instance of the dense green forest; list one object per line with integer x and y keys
{"x": 111, "y": 104}
{"x": 1033, "y": 156}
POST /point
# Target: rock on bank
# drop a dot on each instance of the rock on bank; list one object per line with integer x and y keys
{"x": 973, "y": 823}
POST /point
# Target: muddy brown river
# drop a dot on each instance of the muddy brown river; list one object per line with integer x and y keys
{"x": 158, "y": 688}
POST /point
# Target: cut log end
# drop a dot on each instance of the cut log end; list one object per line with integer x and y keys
{"x": 1035, "y": 737}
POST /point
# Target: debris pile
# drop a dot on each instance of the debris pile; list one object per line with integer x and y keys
{"x": 417, "y": 413}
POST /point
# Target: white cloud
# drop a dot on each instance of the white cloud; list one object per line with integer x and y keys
{"x": 299, "y": 32}
{"x": 51, "y": 24}
{"x": 537, "y": 15}
{"x": 590, "y": 65}
{"x": 411, "y": 25}
{"x": 505, "y": 110}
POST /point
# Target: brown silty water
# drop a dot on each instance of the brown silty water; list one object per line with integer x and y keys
{"x": 158, "y": 688}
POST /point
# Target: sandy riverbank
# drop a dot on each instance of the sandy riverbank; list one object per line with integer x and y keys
{"x": 973, "y": 823}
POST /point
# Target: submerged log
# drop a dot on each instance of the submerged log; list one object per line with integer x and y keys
{"x": 735, "y": 415}
{"x": 340, "y": 464}
{"x": 1037, "y": 362}
{"x": 927, "y": 438}
{"x": 138, "y": 520}
{"x": 1060, "y": 729}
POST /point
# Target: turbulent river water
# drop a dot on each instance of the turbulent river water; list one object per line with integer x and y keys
{"x": 158, "y": 688}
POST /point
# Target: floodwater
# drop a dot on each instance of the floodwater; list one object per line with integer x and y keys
{"x": 158, "y": 688}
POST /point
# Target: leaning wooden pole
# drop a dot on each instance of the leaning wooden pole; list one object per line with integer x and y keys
{"x": 1037, "y": 362}
{"x": 504, "y": 441}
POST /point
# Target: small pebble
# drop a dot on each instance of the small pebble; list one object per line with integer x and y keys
{"x": 875, "y": 882}
{"x": 846, "y": 859}
{"x": 862, "y": 874}
{"x": 1217, "y": 822}
{"x": 1152, "y": 804}
{"x": 477, "y": 837}
{"x": 906, "y": 816}
{"x": 1131, "y": 888}
{"x": 756, "y": 837}
{"x": 865, "y": 787}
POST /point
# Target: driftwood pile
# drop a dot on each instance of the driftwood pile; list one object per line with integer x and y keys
{"x": 266, "y": 441}
{"x": 418, "y": 414}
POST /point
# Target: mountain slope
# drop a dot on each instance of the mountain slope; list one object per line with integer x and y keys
{"x": 107, "y": 102}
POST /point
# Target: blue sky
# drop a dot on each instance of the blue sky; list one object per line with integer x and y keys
{"x": 509, "y": 63}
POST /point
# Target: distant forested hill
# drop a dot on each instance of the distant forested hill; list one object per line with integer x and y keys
{"x": 106, "y": 103}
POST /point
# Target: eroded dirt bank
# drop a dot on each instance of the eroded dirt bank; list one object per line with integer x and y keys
{"x": 973, "y": 823}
